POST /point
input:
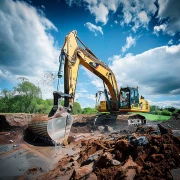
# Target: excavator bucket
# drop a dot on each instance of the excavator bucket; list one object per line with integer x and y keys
{"x": 51, "y": 130}
{"x": 55, "y": 127}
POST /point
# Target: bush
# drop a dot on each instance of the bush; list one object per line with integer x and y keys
{"x": 166, "y": 113}
{"x": 158, "y": 112}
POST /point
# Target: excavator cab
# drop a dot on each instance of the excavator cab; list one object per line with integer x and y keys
{"x": 129, "y": 96}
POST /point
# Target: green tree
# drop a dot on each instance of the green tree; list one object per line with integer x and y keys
{"x": 28, "y": 93}
{"x": 76, "y": 109}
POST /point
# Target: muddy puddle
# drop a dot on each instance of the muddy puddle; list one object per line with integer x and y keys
{"x": 17, "y": 160}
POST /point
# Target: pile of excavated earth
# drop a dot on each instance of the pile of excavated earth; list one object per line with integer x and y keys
{"x": 149, "y": 152}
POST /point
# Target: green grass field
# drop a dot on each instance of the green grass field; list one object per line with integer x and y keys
{"x": 153, "y": 117}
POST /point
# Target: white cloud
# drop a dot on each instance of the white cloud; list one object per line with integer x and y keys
{"x": 129, "y": 43}
{"x": 159, "y": 28}
{"x": 94, "y": 28}
{"x": 143, "y": 17}
{"x": 115, "y": 21}
{"x": 136, "y": 13}
{"x": 26, "y": 45}
{"x": 155, "y": 71}
{"x": 100, "y": 11}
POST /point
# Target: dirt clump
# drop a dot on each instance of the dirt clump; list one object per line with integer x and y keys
{"x": 34, "y": 170}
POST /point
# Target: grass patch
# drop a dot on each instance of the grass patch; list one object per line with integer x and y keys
{"x": 153, "y": 117}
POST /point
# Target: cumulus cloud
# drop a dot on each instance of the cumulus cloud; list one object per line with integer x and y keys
{"x": 100, "y": 11}
{"x": 136, "y": 13}
{"x": 155, "y": 71}
{"x": 26, "y": 45}
{"x": 94, "y": 28}
{"x": 129, "y": 43}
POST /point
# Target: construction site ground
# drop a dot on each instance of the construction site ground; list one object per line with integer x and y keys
{"x": 115, "y": 152}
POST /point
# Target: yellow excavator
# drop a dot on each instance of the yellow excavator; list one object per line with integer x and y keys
{"x": 58, "y": 123}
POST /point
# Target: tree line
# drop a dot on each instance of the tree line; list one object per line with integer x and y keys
{"x": 167, "y": 111}
{"x": 27, "y": 98}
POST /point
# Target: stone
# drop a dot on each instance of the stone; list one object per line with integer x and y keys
{"x": 115, "y": 162}
{"x": 79, "y": 173}
{"x": 92, "y": 158}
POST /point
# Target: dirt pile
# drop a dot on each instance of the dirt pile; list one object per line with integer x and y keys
{"x": 83, "y": 124}
{"x": 9, "y": 121}
{"x": 149, "y": 153}
{"x": 12, "y": 127}
{"x": 173, "y": 122}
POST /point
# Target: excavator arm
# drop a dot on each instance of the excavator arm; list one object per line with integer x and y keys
{"x": 72, "y": 55}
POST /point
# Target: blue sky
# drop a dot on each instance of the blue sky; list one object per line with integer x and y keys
{"x": 139, "y": 40}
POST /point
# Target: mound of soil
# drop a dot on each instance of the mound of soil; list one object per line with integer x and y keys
{"x": 8, "y": 121}
{"x": 147, "y": 154}
{"x": 173, "y": 122}
{"x": 12, "y": 127}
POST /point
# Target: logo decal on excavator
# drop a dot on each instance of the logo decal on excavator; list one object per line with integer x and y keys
{"x": 94, "y": 65}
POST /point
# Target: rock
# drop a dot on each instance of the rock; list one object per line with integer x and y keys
{"x": 108, "y": 128}
{"x": 11, "y": 141}
{"x": 92, "y": 158}
{"x": 101, "y": 128}
{"x": 142, "y": 141}
{"x": 130, "y": 168}
{"x": 79, "y": 173}
{"x": 115, "y": 162}
{"x": 129, "y": 164}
